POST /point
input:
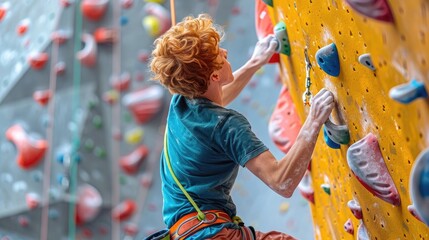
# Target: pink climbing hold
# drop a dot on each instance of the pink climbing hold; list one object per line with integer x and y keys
{"x": 121, "y": 83}
{"x": 94, "y": 9}
{"x": 60, "y": 36}
{"x": 37, "y": 60}
{"x": 144, "y": 103}
{"x": 126, "y": 4}
{"x": 60, "y": 68}
{"x": 284, "y": 124}
{"x": 88, "y": 204}
{"x": 105, "y": 35}
{"x": 377, "y": 9}
{"x": 32, "y": 200}
{"x": 305, "y": 187}
{"x": 88, "y": 55}
{"x": 23, "y": 221}
{"x": 367, "y": 164}
{"x": 146, "y": 180}
{"x": 355, "y": 208}
{"x": 348, "y": 226}
{"x": 30, "y": 151}
{"x": 124, "y": 210}
{"x": 131, "y": 162}
{"x": 131, "y": 229}
{"x": 42, "y": 96}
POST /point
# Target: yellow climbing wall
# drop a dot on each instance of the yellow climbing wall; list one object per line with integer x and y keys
{"x": 400, "y": 52}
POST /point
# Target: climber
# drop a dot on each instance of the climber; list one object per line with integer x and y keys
{"x": 205, "y": 142}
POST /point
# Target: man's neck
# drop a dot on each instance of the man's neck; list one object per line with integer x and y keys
{"x": 214, "y": 93}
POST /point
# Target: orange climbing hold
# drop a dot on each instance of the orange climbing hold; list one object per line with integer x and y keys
{"x": 37, "y": 60}
{"x": 284, "y": 124}
{"x": 94, "y": 9}
{"x": 105, "y": 35}
{"x": 30, "y": 151}
{"x": 42, "y": 96}
{"x": 131, "y": 162}
{"x": 124, "y": 210}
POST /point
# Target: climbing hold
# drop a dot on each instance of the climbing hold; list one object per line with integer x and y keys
{"x": 134, "y": 136}
{"x": 328, "y": 60}
{"x": 144, "y": 103}
{"x": 121, "y": 83}
{"x": 23, "y": 26}
{"x": 268, "y": 2}
{"x": 66, "y": 3}
{"x": 305, "y": 187}
{"x": 348, "y": 226}
{"x": 105, "y": 35}
{"x": 337, "y": 133}
{"x": 158, "y": 20}
{"x": 88, "y": 55}
{"x": 412, "y": 209}
{"x": 284, "y": 124}
{"x": 355, "y": 208}
{"x": 30, "y": 151}
{"x": 100, "y": 152}
{"x": 42, "y": 96}
{"x": 89, "y": 144}
{"x": 53, "y": 214}
{"x": 419, "y": 185}
{"x": 111, "y": 97}
{"x": 4, "y": 7}
{"x": 367, "y": 164}
{"x": 88, "y": 204}
{"x": 97, "y": 121}
{"x": 60, "y": 36}
{"x": 365, "y": 59}
{"x": 124, "y": 210}
{"x": 123, "y": 20}
{"x": 264, "y": 26}
{"x": 60, "y": 68}
{"x": 283, "y": 40}
{"x": 329, "y": 141}
{"x": 146, "y": 180}
{"x": 37, "y": 60}
{"x": 362, "y": 232}
{"x": 94, "y": 9}
{"x": 144, "y": 56}
{"x": 326, "y": 188}
{"x": 408, "y": 92}
{"x": 130, "y": 163}
{"x": 32, "y": 200}
{"x": 131, "y": 229}
{"x": 377, "y": 9}
{"x": 23, "y": 221}
{"x": 126, "y": 4}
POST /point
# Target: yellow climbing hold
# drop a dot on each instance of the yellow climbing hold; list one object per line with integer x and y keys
{"x": 152, "y": 25}
{"x": 155, "y": 1}
{"x": 134, "y": 136}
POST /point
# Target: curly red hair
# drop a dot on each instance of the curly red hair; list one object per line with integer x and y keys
{"x": 186, "y": 55}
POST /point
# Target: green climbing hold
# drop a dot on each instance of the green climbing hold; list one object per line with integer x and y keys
{"x": 269, "y": 2}
{"x": 282, "y": 38}
{"x": 100, "y": 152}
{"x": 326, "y": 188}
{"x": 97, "y": 121}
{"x": 89, "y": 144}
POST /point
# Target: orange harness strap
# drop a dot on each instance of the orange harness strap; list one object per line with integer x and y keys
{"x": 189, "y": 224}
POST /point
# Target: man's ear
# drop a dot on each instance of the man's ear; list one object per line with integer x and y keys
{"x": 214, "y": 76}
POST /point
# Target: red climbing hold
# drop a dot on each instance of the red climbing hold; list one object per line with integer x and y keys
{"x": 124, "y": 210}
{"x": 42, "y": 96}
{"x": 23, "y": 26}
{"x": 284, "y": 124}
{"x": 3, "y": 10}
{"x": 377, "y": 9}
{"x": 30, "y": 151}
{"x": 355, "y": 208}
{"x": 121, "y": 83}
{"x": 105, "y": 35}
{"x": 367, "y": 164}
{"x": 88, "y": 204}
{"x": 60, "y": 36}
{"x": 264, "y": 26}
{"x": 88, "y": 55}
{"x": 144, "y": 103}
{"x": 305, "y": 187}
{"x": 94, "y": 9}
{"x": 65, "y": 3}
{"x": 348, "y": 226}
{"x": 412, "y": 209}
{"x": 131, "y": 162}
{"x": 32, "y": 200}
{"x": 37, "y": 60}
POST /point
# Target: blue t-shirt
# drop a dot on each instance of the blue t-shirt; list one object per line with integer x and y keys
{"x": 206, "y": 145}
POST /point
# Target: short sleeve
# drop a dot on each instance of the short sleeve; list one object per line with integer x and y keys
{"x": 236, "y": 139}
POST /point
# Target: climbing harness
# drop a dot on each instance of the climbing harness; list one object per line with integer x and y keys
{"x": 306, "y": 97}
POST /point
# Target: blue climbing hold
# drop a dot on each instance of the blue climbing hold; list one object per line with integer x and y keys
{"x": 328, "y": 60}
{"x": 419, "y": 185}
{"x": 424, "y": 180}
{"x": 328, "y": 141}
{"x": 282, "y": 38}
{"x": 123, "y": 20}
{"x": 407, "y": 93}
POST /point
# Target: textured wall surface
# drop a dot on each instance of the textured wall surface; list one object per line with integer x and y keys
{"x": 399, "y": 51}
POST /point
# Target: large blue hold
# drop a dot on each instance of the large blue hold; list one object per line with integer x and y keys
{"x": 407, "y": 93}
{"x": 329, "y": 141}
{"x": 328, "y": 60}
